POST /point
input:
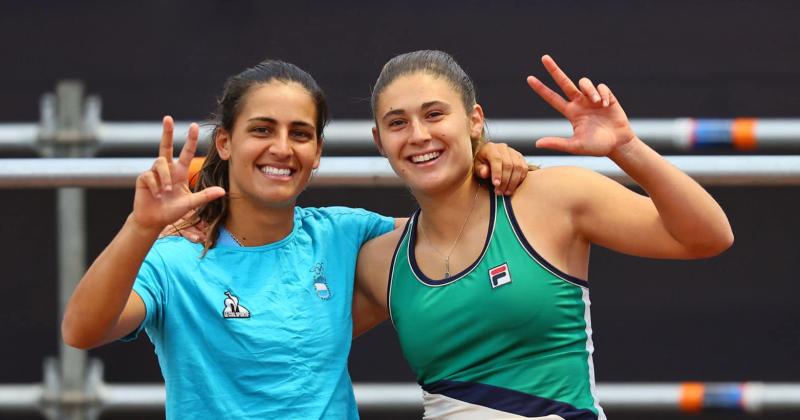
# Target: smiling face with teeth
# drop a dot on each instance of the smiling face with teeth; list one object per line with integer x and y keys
{"x": 425, "y": 132}
{"x": 273, "y": 147}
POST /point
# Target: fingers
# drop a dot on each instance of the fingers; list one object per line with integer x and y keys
{"x": 556, "y": 143}
{"x": 482, "y": 170}
{"x": 553, "y": 99}
{"x": 165, "y": 148}
{"x": 149, "y": 180}
{"x": 601, "y": 95}
{"x": 605, "y": 94}
{"x": 495, "y": 168}
{"x": 562, "y": 80}
{"x": 183, "y": 227}
{"x": 190, "y": 147}
{"x": 199, "y": 198}
{"x": 193, "y": 234}
{"x": 589, "y": 90}
{"x": 162, "y": 169}
{"x": 487, "y": 161}
{"x": 518, "y": 174}
{"x": 507, "y": 165}
{"x": 158, "y": 179}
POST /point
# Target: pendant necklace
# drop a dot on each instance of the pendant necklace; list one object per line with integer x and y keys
{"x": 452, "y": 247}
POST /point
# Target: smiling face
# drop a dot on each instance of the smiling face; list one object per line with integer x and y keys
{"x": 273, "y": 147}
{"x": 424, "y": 131}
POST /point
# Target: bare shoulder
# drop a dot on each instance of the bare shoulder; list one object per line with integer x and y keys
{"x": 376, "y": 254}
{"x": 559, "y": 176}
{"x": 557, "y": 183}
{"x": 382, "y": 245}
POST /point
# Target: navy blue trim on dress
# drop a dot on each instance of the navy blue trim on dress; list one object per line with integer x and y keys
{"x": 412, "y": 258}
{"x": 546, "y": 264}
{"x": 391, "y": 267}
{"x": 507, "y": 400}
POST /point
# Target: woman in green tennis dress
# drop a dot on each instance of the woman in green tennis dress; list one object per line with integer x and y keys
{"x": 489, "y": 294}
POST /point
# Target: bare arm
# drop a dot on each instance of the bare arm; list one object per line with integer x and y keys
{"x": 680, "y": 208}
{"x": 103, "y": 306}
{"x": 367, "y": 312}
{"x": 679, "y": 219}
{"x": 370, "y": 305}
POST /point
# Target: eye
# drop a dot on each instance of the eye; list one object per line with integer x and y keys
{"x": 433, "y": 115}
{"x": 396, "y": 123}
{"x": 302, "y": 134}
{"x": 261, "y": 130}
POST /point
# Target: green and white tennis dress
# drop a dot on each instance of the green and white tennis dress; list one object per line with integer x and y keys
{"x": 508, "y": 337}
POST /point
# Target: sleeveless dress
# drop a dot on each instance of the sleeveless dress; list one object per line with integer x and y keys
{"x": 508, "y": 337}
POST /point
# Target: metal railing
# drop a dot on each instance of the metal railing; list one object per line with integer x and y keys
{"x": 70, "y": 130}
{"x": 69, "y": 117}
{"x": 347, "y": 136}
{"x": 688, "y": 397}
{"x": 73, "y": 387}
{"x": 375, "y": 171}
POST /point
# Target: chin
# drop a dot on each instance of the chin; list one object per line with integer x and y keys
{"x": 279, "y": 198}
{"x": 437, "y": 182}
{"x": 430, "y": 188}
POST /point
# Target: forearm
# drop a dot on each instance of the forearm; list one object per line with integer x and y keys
{"x": 686, "y": 210}
{"x": 104, "y": 290}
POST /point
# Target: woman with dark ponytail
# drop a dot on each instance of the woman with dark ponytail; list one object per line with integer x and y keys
{"x": 255, "y": 322}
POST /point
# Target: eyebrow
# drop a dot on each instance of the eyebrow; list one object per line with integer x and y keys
{"x": 398, "y": 111}
{"x": 425, "y": 105}
{"x": 274, "y": 121}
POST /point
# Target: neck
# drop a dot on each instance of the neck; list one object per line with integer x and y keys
{"x": 445, "y": 213}
{"x": 258, "y": 226}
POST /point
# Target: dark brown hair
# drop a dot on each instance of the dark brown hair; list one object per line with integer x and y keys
{"x": 215, "y": 170}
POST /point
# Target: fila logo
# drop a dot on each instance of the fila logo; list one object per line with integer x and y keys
{"x": 499, "y": 276}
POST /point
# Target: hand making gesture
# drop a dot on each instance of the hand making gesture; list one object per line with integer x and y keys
{"x": 599, "y": 124}
{"x": 162, "y": 193}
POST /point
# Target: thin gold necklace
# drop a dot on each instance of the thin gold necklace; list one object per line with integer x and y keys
{"x": 452, "y": 247}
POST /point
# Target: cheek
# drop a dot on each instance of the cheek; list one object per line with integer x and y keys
{"x": 391, "y": 145}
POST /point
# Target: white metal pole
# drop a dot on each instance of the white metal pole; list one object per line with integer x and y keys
{"x": 376, "y": 172}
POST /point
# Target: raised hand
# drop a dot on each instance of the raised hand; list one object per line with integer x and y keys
{"x": 162, "y": 193}
{"x": 599, "y": 124}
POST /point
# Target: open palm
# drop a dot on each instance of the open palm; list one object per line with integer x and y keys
{"x": 599, "y": 124}
{"x": 162, "y": 193}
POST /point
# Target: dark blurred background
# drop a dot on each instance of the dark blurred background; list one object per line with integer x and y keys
{"x": 732, "y": 318}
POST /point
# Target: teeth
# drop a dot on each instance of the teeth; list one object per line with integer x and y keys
{"x": 426, "y": 157}
{"x": 275, "y": 171}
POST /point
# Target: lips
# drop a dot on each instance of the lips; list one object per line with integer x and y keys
{"x": 425, "y": 157}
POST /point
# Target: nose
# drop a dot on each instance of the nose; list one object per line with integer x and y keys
{"x": 280, "y": 146}
{"x": 419, "y": 132}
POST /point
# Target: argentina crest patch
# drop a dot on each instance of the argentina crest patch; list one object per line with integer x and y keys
{"x": 499, "y": 276}
{"x": 320, "y": 283}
